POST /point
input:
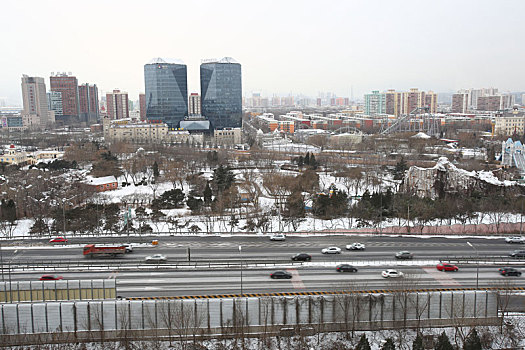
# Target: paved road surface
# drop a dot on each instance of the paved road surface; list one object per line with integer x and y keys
{"x": 169, "y": 282}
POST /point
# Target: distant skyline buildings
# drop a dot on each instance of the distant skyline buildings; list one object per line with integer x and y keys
{"x": 117, "y": 104}
{"x": 166, "y": 91}
{"x": 54, "y": 102}
{"x": 194, "y": 104}
{"x": 88, "y": 103}
{"x": 399, "y": 102}
{"x": 142, "y": 106}
{"x": 221, "y": 92}
{"x": 35, "y": 110}
{"x": 67, "y": 85}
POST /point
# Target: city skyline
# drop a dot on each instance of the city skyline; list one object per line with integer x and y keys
{"x": 442, "y": 47}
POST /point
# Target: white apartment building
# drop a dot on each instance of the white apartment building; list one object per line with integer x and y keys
{"x": 35, "y": 113}
{"x": 138, "y": 132}
{"x": 227, "y": 136}
{"x": 510, "y": 124}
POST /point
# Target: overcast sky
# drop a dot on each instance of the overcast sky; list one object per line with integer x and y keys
{"x": 284, "y": 46}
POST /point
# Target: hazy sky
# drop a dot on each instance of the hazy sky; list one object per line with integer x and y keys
{"x": 284, "y": 46}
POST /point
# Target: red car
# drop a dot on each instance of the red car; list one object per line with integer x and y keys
{"x": 51, "y": 277}
{"x": 446, "y": 267}
{"x": 58, "y": 240}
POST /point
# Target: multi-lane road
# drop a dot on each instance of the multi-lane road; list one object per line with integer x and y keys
{"x": 136, "y": 279}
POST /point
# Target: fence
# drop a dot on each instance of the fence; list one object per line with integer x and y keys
{"x": 376, "y": 231}
{"x": 90, "y": 320}
{"x": 57, "y": 290}
{"x": 235, "y": 262}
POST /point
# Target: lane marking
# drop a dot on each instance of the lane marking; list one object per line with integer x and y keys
{"x": 297, "y": 282}
{"x": 113, "y": 275}
{"x": 442, "y": 277}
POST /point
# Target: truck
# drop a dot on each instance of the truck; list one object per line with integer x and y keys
{"x": 93, "y": 250}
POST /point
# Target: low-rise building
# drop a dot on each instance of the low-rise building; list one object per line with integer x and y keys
{"x": 227, "y": 136}
{"x": 510, "y": 123}
{"x": 12, "y": 155}
{"x": 102, "y": 184}
{"x": 184, "y": 137}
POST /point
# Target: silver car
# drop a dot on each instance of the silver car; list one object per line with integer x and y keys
{"x": 156, "y": 259}
{"x": 278, "y": 237}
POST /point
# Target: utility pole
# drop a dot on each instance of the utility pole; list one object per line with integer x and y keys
{"x": 240, "y": 253}
{"x": 477, "y": 264}
{"x": 2, "y": 261}
{"x": 64, "y": 215}
{"x": 408, "y": 218}
{"x": 521, "y": 218}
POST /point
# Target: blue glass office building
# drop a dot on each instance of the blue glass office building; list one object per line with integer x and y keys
{"x": 221, "y": 92}
{"x": 166, "y": 91}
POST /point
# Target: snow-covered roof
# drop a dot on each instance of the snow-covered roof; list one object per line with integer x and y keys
{"x": 219, "y": 60}
{"x": 159, "y": 60}
{"x": 421, "y": 135}
{"x": 100, "y": 180}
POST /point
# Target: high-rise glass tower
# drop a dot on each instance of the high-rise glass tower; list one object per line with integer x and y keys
{"x": 221, "y": 92}
{"x": 166, "y": 91}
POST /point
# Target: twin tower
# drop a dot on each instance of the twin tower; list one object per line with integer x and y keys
{"x": 167, "y": 91}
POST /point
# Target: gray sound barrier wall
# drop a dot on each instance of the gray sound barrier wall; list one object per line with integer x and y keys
{"x": 190, "y": 315}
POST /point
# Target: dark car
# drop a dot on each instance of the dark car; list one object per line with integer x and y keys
{"x": 345, "y": 268}
{"x": 302, "y": 257}
{"x": 281, "y": 275}
{"x": 509, "y": 271}
{"x": 51, "y": 278}
{"x": 404, "y": 255}
{"x": 517, "y": 254}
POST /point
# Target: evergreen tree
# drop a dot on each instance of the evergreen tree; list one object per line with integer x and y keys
{"x": 223, "y": 178}
{"x": 194, "y": 204}
{"x": 418, "y": 343}
{"x": 294, "y": 206}
{"x": 389, "y": 345}
{"x": 401, "y": 167}
{"x": 207, "y": 194}
{"x": 8, "y": 210}
{"x": 39, "y": 227}
{"x": 443, "y": 343}
{"x": 169, "y": 200}
{"x": 332, "y": 205}
{"x": 212, "y": 156}
{"x": 300, "y": 161}
{"x": 307, "y": 159}
{"x": 363, "y": 343}
{"x": 156, "y": 172}
{"x": 313, "y": 161}
{"x": 472, "y": 342}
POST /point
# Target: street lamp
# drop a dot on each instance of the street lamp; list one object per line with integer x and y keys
{"x": 2, "y": 261}
{"x": 240, "y": 254}
{"x": 477, "y": 264}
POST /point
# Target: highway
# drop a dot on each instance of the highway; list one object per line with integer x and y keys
{"x": 320, "y": 275}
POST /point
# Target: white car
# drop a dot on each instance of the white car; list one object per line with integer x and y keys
{"x": 129, "y": 247}
{"x": 156, "y": 259}
{"x": 391, "y": 274}
{"x": 356, "y": 246}
{"x": 278, "y": 237}
{"x": 516, "y": 239}
{"x": 331, "y": 250}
